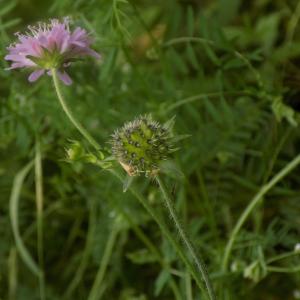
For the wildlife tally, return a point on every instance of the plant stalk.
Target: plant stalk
(94, 293)
(255, 200)
(141, 199)
(69, 113)
(160, 222)
(196, 258)
(39, 209)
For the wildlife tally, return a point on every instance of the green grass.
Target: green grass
(229, 71)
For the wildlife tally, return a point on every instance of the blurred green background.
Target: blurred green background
(229, 71)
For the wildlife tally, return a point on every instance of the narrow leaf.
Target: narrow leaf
(127, 182)
(14, 218)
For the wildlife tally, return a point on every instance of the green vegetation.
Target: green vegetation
(228, 70)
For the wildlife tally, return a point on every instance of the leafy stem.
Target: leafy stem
(164, 230)
(255, 200)
(141, 199)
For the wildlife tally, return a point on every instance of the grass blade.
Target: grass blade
(14, 218)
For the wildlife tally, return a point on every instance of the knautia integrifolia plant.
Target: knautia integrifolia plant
(49, 46)
(141, 145)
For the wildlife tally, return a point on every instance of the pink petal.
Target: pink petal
(20, 59)
(43, 40)
(78, 33)
(35, 75)
(65, 78)
(34, 47)
(14, 57)
(51, 43)
(65, 44)
(93, 53)
(15, 66)
(79, 43)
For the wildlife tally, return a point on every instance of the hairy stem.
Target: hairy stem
(256, 199)
(196, 258)
(165, 232)
(152, 248)
(141, 199)
(69, 113)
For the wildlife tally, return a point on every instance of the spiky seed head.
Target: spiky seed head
(140, 145)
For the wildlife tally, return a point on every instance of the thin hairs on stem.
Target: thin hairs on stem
(140, 198)
(70, 115)
(186, 241)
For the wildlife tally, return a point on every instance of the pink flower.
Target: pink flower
(50, 46)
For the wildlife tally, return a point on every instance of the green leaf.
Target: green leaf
(169, 168)
(161, 281)
(267, 30)
(255, 271)
(178, 62)
(14, 218)
(233, 63)
(282, 111)
(141, 257)
(170, 123)
(190, 21)
(109, 65)
(11, 23)
(7, 8)
(178, 138)
(127, 182)
(191, 55)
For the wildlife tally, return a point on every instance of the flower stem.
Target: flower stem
(197, 259)
(263, 190)
(165, 231)
(69, 114)
(141, 199)
(153, 249)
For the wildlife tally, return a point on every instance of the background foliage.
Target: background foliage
(229, 71)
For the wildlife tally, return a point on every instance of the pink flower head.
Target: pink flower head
(50, 46)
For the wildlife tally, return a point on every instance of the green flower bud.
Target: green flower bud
(255, 271)
(140, 146)
(75, 152)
